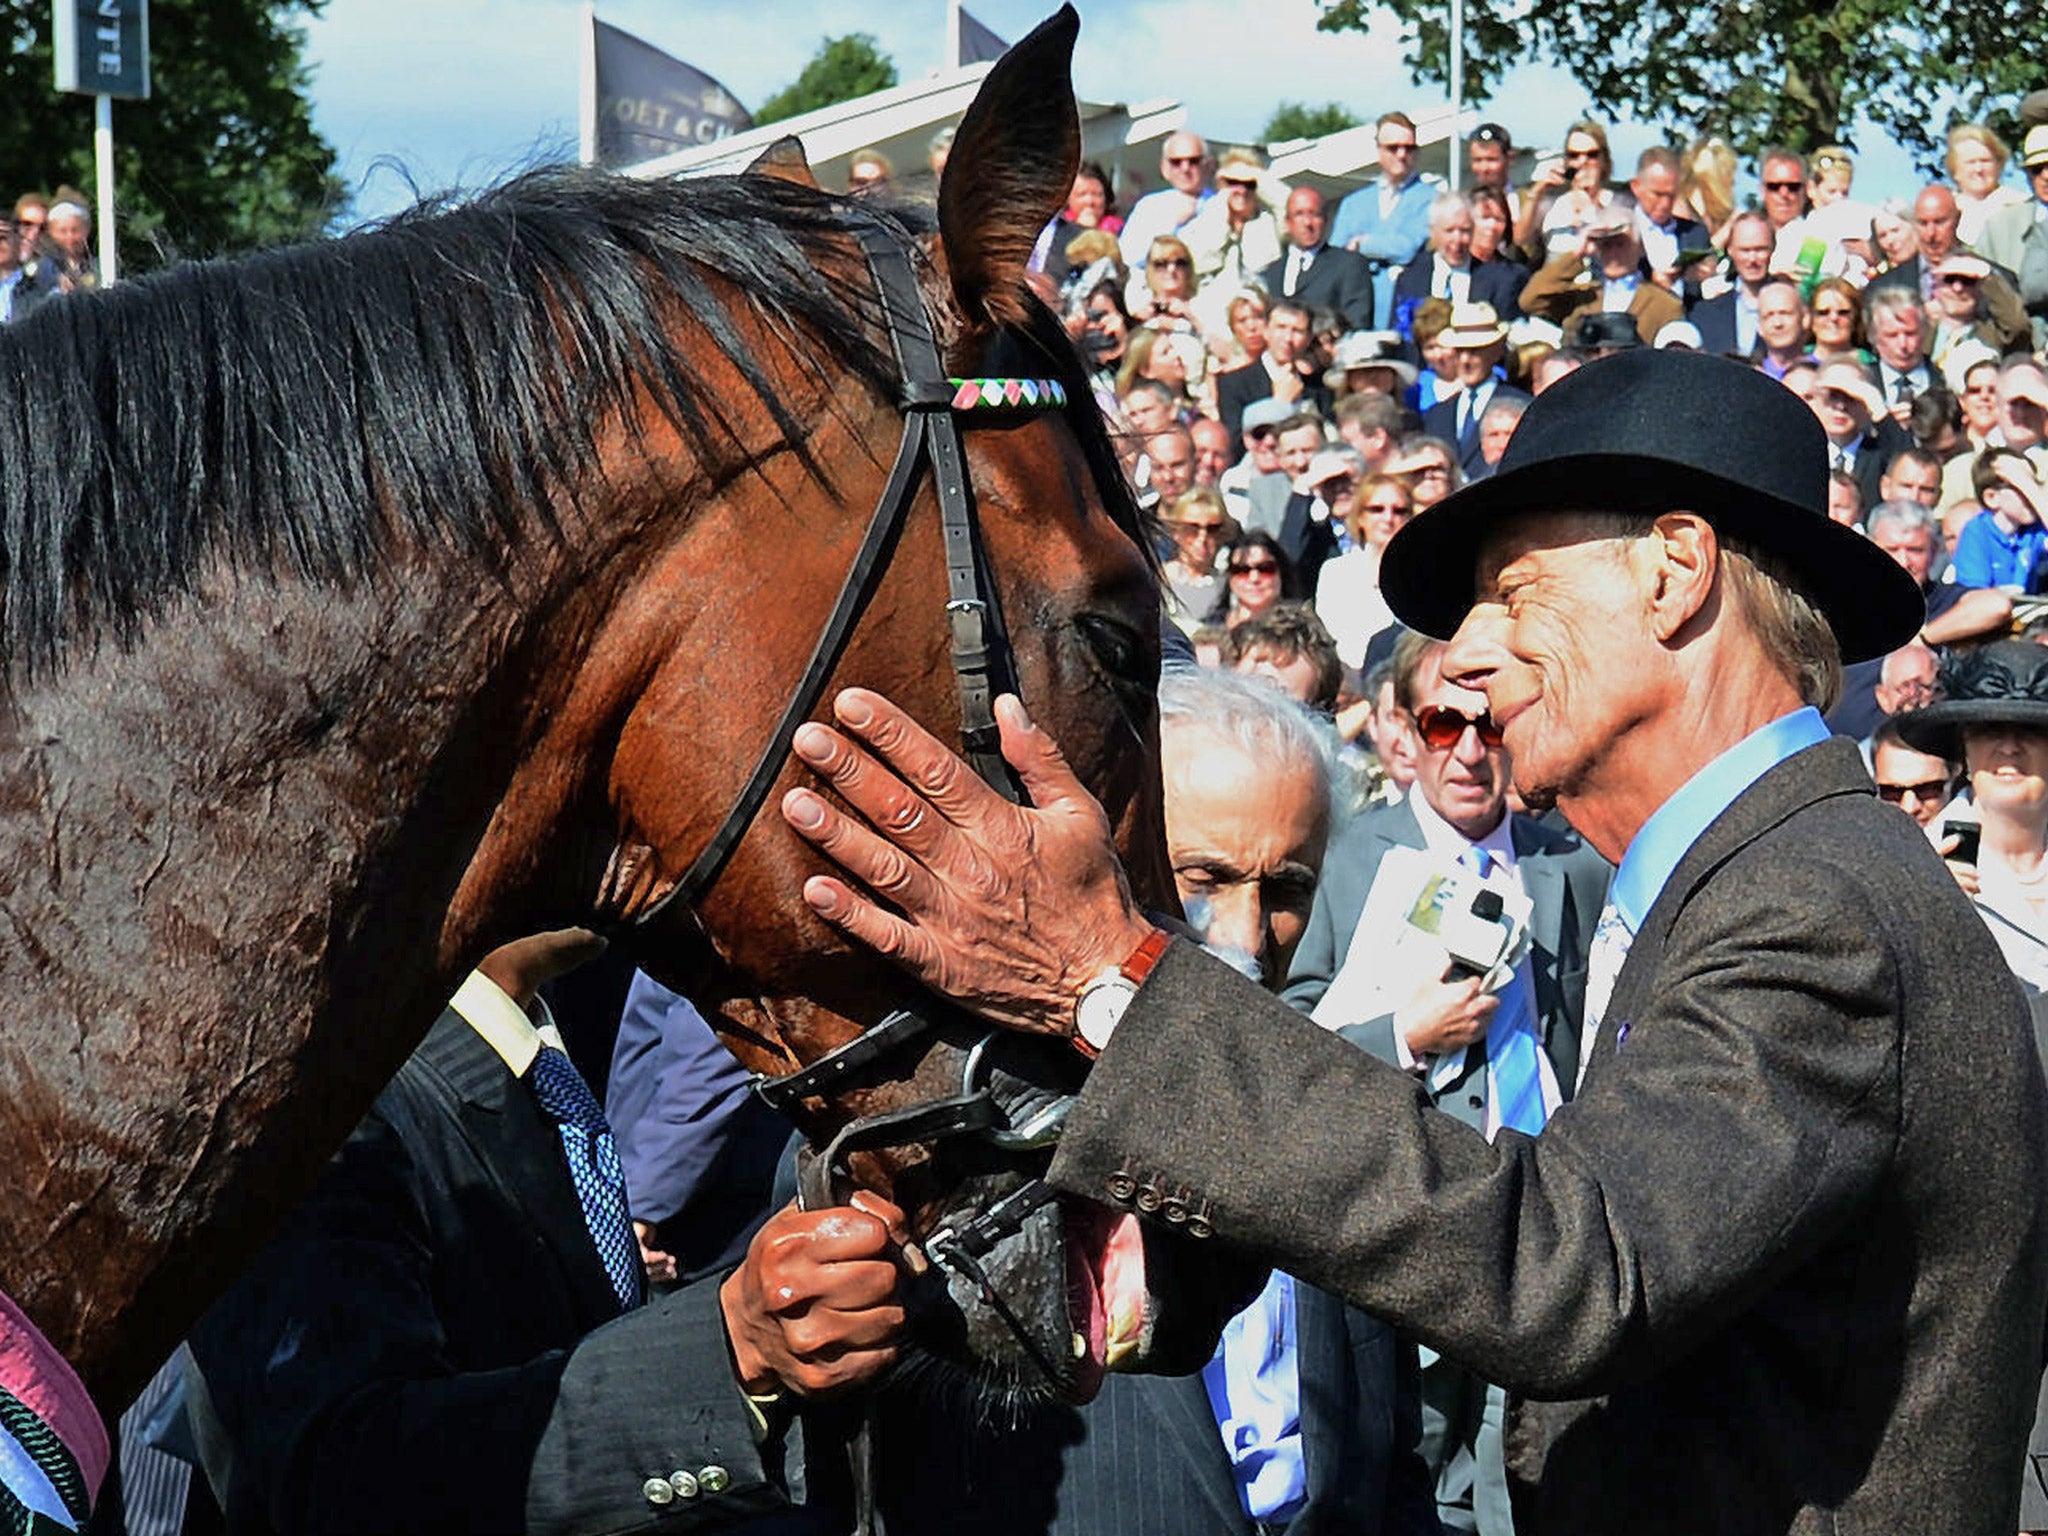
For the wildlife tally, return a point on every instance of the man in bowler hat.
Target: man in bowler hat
(1780, 1265)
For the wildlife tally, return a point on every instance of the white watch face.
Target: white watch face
(1102, 1007)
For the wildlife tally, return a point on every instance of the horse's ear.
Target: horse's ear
(1010, 170)
(785, 161)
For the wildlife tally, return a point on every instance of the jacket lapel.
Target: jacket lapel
(1819, 772)
(521, 1150)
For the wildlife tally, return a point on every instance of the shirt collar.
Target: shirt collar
(1677, 824)
(505, 1026)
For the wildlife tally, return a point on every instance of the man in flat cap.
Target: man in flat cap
(1781, 1263)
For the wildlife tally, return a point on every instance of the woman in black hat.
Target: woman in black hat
(1994, 719)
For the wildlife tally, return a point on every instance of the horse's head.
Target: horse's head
(1038, 1292)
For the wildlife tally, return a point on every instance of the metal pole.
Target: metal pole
(103, 168)
(588, 86)
(1457, 91)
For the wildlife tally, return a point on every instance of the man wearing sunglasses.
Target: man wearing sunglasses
(1451, 1031)
(1184, 167)
(1387, 222)
(1935, 218)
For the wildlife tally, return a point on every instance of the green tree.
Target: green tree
(1299, 120)
(222, 157)
(1757, 72)
(842, 69)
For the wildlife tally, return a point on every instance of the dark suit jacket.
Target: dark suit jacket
(1441, 420)
(1567, 885)
(1782, 1263)
(1146, 1459)
(1337, 279)
(432, 1343)
(1309, 542)
(1497, 282)
(1715, 318)
(1241, 386)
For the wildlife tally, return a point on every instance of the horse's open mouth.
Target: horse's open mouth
(1106, 1297)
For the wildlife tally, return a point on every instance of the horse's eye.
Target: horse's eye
(1116, 648)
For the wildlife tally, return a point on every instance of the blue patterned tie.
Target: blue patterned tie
(1511, 1047)
(594, 1164)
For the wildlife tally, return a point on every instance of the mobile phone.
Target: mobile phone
(1965, 852)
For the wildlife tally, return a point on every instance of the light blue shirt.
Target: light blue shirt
(1254, 1386)
(1677, 824)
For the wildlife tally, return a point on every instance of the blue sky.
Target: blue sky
(440, 93)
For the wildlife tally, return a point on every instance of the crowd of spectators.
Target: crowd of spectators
(45, 250)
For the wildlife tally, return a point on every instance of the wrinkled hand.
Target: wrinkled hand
(1446, 1016)
(813, 1307)
(1012, 910)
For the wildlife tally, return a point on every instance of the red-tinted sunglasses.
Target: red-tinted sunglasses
(1442, 727)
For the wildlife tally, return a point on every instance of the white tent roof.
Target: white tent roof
(900, 123)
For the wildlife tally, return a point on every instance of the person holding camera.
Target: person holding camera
(1495, 1050)
(1994, 720)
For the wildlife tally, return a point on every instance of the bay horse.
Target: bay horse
(370, 603)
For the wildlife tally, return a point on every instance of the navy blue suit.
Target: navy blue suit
(1498, 282)
(1441, 420)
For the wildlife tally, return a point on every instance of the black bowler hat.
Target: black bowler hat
(1649, 431)
(2001, 684)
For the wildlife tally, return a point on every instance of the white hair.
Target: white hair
(1254, 716)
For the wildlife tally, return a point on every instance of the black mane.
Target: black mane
(451, 366)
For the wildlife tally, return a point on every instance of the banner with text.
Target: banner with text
(649, 104)
(102, 47)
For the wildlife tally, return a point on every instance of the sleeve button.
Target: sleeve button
(714, 1479)
(656, 1491)
(1121, 1186)
(684, 1484)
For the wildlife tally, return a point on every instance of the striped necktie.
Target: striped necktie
(594, 1166)
(1512, 1049)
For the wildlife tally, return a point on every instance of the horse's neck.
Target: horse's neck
(253, 821)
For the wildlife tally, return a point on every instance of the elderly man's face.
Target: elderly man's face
(1908, 679)
(1784, 188)
(1453, 234)
(1842, 415)
(1184, 162)
(1147, 411)
(1305, 221)
(1560, 643)
(1173, 463)
(1934, 218)
(1916, 782)
(1475, 364)
(1246, 839)
(1913, 548)
(1618, 254)
(1495, 428)
(1749, 250)
(1464, 781)
(1656, 191)
(1780, 317)
(70, 234)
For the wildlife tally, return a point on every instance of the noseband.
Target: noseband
(934, 408)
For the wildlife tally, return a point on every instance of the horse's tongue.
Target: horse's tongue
(1123, 1289)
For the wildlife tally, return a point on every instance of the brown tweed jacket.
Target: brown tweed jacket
(1780, 1267)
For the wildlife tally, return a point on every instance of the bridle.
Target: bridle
(934, 406)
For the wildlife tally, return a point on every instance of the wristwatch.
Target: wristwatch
(1104, 1000)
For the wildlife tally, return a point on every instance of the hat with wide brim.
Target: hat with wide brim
(1473, 325)
(1359, 350)
(1651, 432)
(2005, 683)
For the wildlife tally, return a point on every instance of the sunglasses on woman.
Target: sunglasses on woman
(1442, 727)
(1255, 568)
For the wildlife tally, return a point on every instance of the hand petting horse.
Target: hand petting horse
(368, 603)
